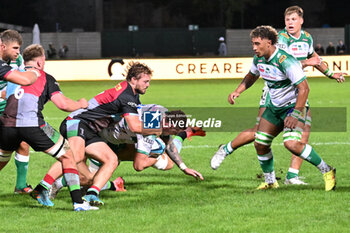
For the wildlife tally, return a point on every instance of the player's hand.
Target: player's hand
(83, 103)
(313, 61)
(290, 122)
(194, 173)
(232, 97)
(339, 77)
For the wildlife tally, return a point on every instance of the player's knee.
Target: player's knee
(162, 162)
(138, 166)
(170, 165)
(59, 150)
(5, 156)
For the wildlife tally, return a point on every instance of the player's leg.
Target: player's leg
(266, 132)
(245, 137)
(50, 141)
(143, 161)
(22, 162)
(306, 152)
(126, 152)
(292, 176)
(9, 142)
(101, 152)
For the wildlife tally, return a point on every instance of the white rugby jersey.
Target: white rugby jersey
(282, 73)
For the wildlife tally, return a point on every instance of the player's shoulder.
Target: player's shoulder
(283, 57)
(283, 35)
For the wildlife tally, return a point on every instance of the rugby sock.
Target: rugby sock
(228, 148)
(61, 182)
(310, 155)
(93, 190)
(71, 176)
(21, 162)
(47, 181)
(178, 143)
(107, 186)
(292, 172)
(266, 164)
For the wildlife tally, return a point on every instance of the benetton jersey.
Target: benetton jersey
(301, 48)
(5, 69)
(24, 106)
(18, 64)
(119, 100)
(281, 72)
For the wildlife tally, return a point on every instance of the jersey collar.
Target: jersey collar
(274, 54)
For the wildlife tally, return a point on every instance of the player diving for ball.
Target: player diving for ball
(145, 151)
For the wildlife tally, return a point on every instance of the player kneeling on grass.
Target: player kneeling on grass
(23, 121)
(148, 151)
(288, 90)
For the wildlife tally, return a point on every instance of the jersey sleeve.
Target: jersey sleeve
(254, 69)
(5, 70)
(129, 105)
(53, 87)
(293, 70)
(282, 41)
(311, 46)
(144, 143)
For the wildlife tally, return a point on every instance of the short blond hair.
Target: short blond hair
(11, 36)
(33, 51)
(294, 9)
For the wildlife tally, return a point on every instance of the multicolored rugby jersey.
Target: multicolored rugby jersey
(119, 100)
(301, 48)
(24, 106)
(282, 73)
(119, 133)
(18, 64)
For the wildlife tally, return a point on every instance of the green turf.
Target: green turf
(226, 201)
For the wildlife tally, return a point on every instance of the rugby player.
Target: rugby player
(81, 127)
(22, 120)
(147, 151)
(286, 111)
(299, 43)
(22, 153)
(11, 42)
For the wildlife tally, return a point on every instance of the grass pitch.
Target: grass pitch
(226, 201)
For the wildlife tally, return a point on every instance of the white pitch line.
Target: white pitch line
(278, 144)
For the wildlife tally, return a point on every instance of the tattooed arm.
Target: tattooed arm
(175, 156)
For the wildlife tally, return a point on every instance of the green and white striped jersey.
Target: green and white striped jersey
(301, 48)
(282, 73)
(17, 65)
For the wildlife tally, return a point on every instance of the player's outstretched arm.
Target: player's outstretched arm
(68, 105)
(247, 82)
(316, 61)
(23, 78)
(175, 156)
(136, 126)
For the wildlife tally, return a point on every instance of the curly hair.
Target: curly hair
(265, 32)
(135, 69)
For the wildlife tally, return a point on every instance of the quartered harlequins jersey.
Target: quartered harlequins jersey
(281, 72)
(301, 48)
(119, 100)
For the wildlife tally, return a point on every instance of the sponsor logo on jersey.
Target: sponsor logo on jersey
(282, 58)
(132, 104)
(118, 87)
(261, 68)
(151, 119)
(285, 35)
(305, 40)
